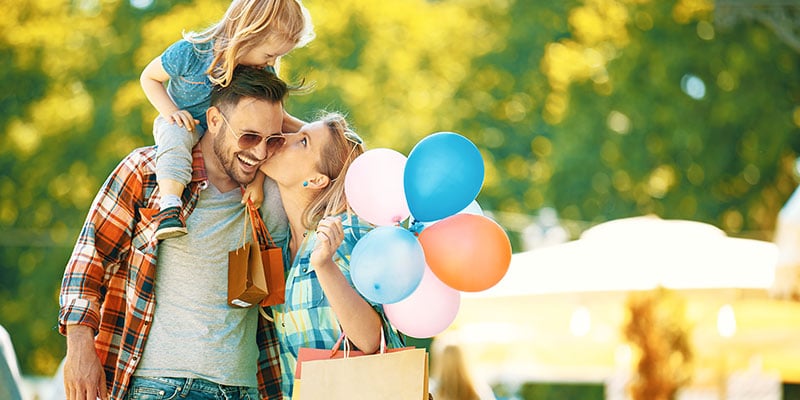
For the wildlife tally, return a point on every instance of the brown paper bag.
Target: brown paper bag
(271, 259)
(400, 374)
(247, 284)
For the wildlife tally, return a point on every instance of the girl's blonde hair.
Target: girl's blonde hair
(453, 378)
(248, 23)
(334, 161)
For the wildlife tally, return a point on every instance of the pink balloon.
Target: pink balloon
(374, 187)
(428, 311)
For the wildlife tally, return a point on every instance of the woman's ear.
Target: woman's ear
(319, 181)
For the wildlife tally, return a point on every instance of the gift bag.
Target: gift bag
(271, 260)
(394, 374)
(247, 284)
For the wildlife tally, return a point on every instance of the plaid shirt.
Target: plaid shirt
(307, 319)
(108, 283)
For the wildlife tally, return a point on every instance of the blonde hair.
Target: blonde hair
(334, 161)
(453, 378)
(246, 24)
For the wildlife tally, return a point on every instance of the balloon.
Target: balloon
(472, 208)
(443, 174)
(374, 189)
(467, 252)
(428, 311)
(387, 264)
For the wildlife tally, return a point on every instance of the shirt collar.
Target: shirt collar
(199, 174)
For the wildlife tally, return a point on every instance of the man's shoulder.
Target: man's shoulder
(142, 154)
(142, 159)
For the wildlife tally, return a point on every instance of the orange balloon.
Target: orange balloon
(467, 252)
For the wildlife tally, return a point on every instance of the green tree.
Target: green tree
(576, 105)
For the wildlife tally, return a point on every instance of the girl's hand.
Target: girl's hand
(253, 194)
(183, 119)
(329, 236)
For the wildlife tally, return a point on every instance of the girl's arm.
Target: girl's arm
(291, 124)
(358, 319)
(152, 80)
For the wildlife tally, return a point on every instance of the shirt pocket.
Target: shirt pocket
(306, 292)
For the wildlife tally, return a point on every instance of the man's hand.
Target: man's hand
(84, 378)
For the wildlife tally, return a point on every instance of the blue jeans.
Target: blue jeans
(151, 388)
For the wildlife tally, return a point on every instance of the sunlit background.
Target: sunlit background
(586, 112)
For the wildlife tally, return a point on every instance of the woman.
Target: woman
(452, 380)
(321, 300)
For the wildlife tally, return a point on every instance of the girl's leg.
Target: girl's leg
(173, 173)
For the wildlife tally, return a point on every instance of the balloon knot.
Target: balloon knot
(416, 227)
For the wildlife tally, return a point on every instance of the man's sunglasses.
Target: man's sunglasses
(249, 140)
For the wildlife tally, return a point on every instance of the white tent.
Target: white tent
(558, 312)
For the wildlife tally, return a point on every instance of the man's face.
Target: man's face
(250, 116)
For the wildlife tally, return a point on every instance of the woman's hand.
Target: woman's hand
(329, 236)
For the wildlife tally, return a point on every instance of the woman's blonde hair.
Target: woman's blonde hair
(453, 381)
(246, 24)
(334, 161)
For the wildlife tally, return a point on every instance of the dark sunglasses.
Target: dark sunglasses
(249, 140)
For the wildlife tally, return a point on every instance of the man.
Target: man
(130, 329)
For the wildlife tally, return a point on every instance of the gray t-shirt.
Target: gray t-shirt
(195, 333)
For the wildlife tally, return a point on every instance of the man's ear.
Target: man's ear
(319, 181)
(214, 119)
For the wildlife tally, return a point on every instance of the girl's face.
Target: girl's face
(266, 53)
(297, 160)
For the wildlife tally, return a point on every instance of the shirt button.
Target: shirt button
(305, 270)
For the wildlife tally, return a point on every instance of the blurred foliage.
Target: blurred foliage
(581, 105)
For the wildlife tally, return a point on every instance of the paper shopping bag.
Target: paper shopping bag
(271, 259)
(247, 284)
(399, 374)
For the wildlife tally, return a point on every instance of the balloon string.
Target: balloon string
(359, 227)
(414, 227)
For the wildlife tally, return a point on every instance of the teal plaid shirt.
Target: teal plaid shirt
(306, 319)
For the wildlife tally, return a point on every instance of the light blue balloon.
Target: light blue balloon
(443, 174)
(387, 264)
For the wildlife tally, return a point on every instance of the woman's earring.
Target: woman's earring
(305, 183)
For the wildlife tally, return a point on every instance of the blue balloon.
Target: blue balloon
(443, 175)
(387, 264)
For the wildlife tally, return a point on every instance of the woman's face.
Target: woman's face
(296, 161)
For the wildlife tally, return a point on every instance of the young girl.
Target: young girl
(252, 32)
(321, 300)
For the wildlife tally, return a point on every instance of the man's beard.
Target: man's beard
(228, 161)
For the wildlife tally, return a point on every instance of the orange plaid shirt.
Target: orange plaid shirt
(108, 283)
